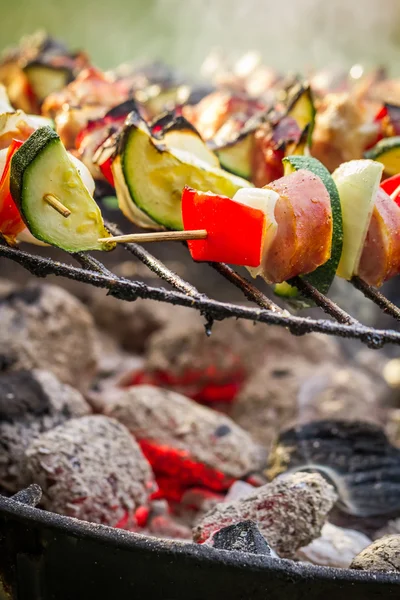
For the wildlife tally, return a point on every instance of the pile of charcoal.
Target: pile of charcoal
(251, 440)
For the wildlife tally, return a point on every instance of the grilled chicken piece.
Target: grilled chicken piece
(210, 114)
(87, 98)
(343, 130)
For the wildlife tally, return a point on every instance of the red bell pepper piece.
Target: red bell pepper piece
(392, 187)
(235, 232)
(105, 168)
(11, 223)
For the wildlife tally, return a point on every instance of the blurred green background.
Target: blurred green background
(294, 34)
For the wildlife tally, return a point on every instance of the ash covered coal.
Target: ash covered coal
(6, 287)
(356, 456)
(133, 323)
(44, 327)
(90, 468)
(288, 390)
(336, 547)
(184, 441)
(213, 370)
(31, 402)
(242, 537)
(290, 512)
(382, 555)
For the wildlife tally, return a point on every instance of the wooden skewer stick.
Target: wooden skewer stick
(158, 236)
(57, 205)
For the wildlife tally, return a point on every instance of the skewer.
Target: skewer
(57, 205)
(158, 236)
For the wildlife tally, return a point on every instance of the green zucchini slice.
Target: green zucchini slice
(41, 166)
(323, 276)
(45, 78)
(235, 156)
(302, 109)
(150, 177)
(177, 133)
(387, 152)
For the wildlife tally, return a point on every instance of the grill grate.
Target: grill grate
(93, 272)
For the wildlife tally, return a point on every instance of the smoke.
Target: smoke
(290, 35)
(294, 34)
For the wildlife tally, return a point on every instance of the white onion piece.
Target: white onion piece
(265, 200)
(26, 236)
(5, 106)
(3, 160)
(84, 173)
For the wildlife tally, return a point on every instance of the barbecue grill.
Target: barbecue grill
(45, 555)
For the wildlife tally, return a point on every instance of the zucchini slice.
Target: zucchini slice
(40, 167)
(236, 156)
(178, 134)
(357, 182)
(302, 109)
(45, 79)
(150, 177)
(323, 276)
(387, 152)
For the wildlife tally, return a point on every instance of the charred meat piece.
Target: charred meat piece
(44, 327)
(90, 468)
(289, 512)
(355, 456)
(382, 555)
(186, 444)
(31, 402)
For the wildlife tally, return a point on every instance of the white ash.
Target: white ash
(336, 547)
(132, 323)
(290, 512)
(168, 418)
(6, 287)
(31, 402)
(43, 326)
(288, 390)
(390, 528)
(382, 555)
(90, 468)
(165, 526)
(114, 367)
(233, 344)
(238, 490)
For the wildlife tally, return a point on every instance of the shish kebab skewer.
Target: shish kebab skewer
(309, 237)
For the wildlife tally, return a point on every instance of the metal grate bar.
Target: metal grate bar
(91, 264)
(157, 266)
(130, 290)
(376, 297)
(248, 289)
(329, 307)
